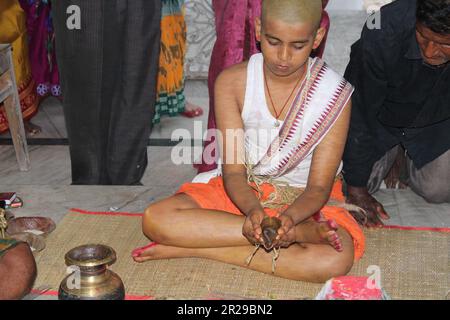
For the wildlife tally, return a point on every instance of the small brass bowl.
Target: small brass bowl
(40, 225)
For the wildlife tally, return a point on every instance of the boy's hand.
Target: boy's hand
(286, 233)
(252, 226)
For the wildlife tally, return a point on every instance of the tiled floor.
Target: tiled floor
(46, 188)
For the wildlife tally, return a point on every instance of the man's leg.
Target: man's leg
(133, 102)
(432, 182)
(80, 60)
(381, 169)
(17, 272)
(182, 229)
(108, 77)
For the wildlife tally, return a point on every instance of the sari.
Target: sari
(170, 84)
(42, 44)
(7, 244)
(13, 31)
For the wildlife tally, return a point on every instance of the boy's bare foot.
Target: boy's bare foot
(156, 251)
(320, 230)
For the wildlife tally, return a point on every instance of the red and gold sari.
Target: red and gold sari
(14, 31)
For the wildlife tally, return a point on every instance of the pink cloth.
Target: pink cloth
(325, 23)
(42, 43)
(236, 42)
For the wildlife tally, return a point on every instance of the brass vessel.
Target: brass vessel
(91, 280)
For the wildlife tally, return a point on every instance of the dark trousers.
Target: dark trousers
(108, 73)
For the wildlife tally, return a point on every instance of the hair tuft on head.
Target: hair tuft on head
(435, 15)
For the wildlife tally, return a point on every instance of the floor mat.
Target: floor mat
(412, 264)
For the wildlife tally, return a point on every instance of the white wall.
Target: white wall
(345, 5)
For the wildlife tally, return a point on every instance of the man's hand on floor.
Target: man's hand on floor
(374, 210)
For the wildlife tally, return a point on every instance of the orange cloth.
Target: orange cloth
(212, 195)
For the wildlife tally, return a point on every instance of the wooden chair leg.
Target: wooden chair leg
(15, 121)
(14, 115)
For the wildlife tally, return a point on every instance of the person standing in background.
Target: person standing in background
(171, 100)
(42, 46)
(14, 31)
(41, 38)
(108, 69)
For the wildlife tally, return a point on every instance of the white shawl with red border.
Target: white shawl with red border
(315, 109)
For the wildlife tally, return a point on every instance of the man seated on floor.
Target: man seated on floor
(290, 177)
(400, 127)
(17, 269)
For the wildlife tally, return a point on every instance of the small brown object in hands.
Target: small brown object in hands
(270, 226)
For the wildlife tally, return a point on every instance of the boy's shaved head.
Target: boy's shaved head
(293, 11)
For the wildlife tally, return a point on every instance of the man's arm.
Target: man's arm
(366, 71)
(229, 86)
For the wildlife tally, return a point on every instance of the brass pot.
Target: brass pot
(92, 279)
